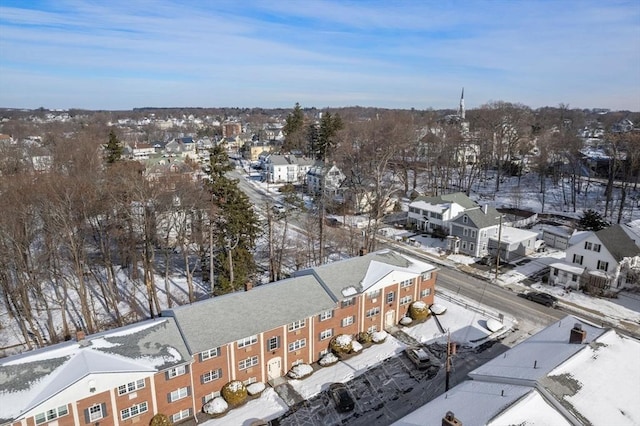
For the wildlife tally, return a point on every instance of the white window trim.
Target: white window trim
(298, 344)
(177, 371)
(179, 394)
(247, 341)
(297, 325)
(95, 415)
(140, 408)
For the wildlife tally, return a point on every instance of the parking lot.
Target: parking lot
(390, 390)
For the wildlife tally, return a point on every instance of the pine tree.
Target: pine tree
(236, 227)
(591, 220)
(113, 149)
(329, 127)
(294, 130)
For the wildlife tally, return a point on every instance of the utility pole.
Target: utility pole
(498, 250)
(451, 350)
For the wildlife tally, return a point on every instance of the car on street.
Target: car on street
(542, 298)
(341, 397)
(420, 357)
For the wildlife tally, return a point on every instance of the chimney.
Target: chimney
(449, 419)
(80, 335)
(485, 208)
(577, 334)
(362, 251)
(248, 286)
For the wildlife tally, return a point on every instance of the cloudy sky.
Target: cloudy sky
(397, 54)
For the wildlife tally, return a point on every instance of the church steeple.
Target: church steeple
(461, 111)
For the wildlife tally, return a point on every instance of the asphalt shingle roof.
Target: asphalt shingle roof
(618, 242)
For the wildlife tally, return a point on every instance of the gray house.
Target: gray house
(470, 231)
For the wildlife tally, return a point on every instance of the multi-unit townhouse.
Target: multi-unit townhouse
(176, 363)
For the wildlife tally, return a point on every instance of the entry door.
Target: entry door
(390, 318)
(274, 368)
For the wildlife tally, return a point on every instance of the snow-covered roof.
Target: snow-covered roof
(594, 382)
(535, 357)
(32, 378)
(567, 267)
(515, 235)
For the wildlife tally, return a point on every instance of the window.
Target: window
(374, 294)
(348, 302)
(212, 375)
(181, 415)
(373, 312)
(473, 233)
(406, 283)
(246, 363)
(131, 387)
(298, 344)
(247, 341)
(587, 245)
(555, 272)
(175, 372)
(273, 343)
(577, 259)
(326, 315)
(179, 394)
(326, 334)
(603, 266)
(426, 276)
(426, 292)
(323, 353)
(465, 219)
(372, 329)
(574, 277)
(209, 397)
(51, 414)
(465, 232)
(211, 353)
(391, 297)
(296, 325)
(405, 300)
(347, 321)
(249, 381)
(95, 412)
(471, 246)
(596, 247)
(133, 411)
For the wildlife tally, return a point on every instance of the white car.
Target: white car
(420, 357)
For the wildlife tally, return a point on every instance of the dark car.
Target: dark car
(341, 397)
(542, 298)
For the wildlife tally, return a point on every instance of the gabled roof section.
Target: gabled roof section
(360, 273)
(479, 218)
(225, 319)
(618, 242)
(457, 197)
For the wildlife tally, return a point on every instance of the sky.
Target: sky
(390, 54)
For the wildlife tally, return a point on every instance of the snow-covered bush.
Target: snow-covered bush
(419, 310)
(216, 406)
(341, 344)
(255, 388)
(364, 337)
(328, 359)
(234, 392)
(356, 347)
(379, 336)
(300, 371)
(437, 309)
(405, 320)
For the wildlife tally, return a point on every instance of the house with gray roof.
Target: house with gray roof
(433, 214)
(609, 260)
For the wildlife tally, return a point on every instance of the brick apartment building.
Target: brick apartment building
(176, 363)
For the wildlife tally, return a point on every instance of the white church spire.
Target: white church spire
(461, 111)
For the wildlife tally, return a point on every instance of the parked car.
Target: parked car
(542, 298)
(420, 357)
(341, 397)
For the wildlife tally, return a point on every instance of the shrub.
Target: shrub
(419, 311)
(328, 359)
(300, 371)
(364, 337)
(160, 420)
(234, 392)
(379, 336)
(341, 344)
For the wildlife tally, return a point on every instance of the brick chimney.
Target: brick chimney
(449, 419)
(362, 251)
(577, 334)
(248, 286)
(80, 335)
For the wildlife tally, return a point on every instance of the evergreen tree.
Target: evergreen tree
(591, 220)
(294, 130)
(236, 227)
(329, 127)
(113, 148)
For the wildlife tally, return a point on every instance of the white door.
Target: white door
(274, 368)
(390, 319)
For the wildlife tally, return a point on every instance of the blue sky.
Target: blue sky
(395, 54)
